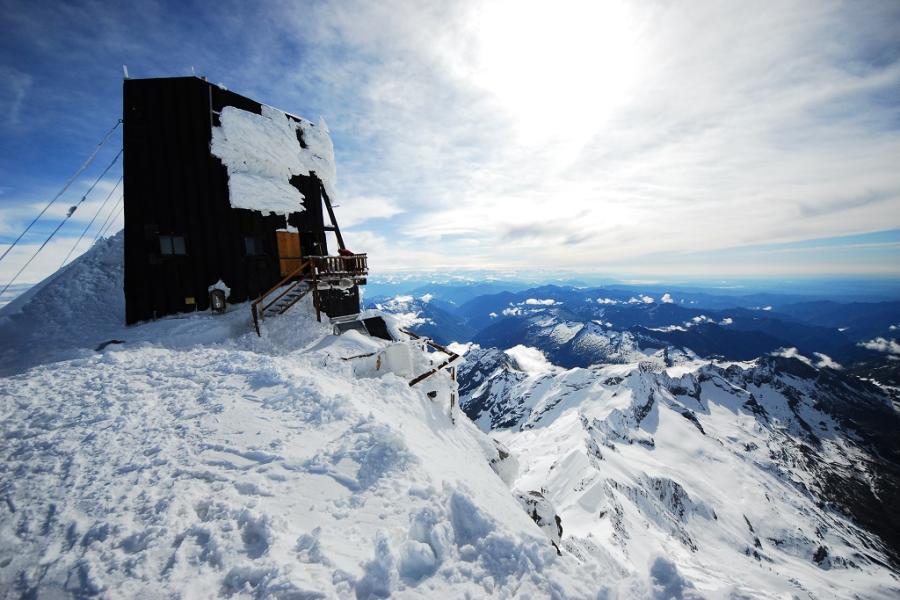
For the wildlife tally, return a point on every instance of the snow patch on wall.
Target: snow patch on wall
(262, 152)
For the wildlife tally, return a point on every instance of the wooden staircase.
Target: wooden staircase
(293, 288)
(347, 269)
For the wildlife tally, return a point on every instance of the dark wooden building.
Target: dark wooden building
(183, 233)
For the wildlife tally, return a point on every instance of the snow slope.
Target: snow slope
(752, 477)
(82, 306)
(196, 460)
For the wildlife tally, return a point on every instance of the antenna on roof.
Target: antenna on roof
(125, 71)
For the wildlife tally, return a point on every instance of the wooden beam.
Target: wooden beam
(337, 230)
(433, 371)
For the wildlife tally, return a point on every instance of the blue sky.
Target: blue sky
(629, 138)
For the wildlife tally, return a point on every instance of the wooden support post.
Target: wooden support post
(316, 299)
(453, 395)
(255, 319)
(337, 230)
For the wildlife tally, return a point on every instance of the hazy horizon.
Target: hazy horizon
(629, 139)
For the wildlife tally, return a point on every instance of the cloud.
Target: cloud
(666, 298)
(825, 361)
(530, 360)
(792, 353)
(354, 210)
(881, 344)
(653, 130)
(541, 302)
(735, 132)
(14, 87)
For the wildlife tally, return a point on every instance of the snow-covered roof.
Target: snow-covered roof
(262, 152)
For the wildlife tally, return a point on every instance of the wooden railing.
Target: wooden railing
(312, 269)
(447, 364)
(353, 265)
(453, 356)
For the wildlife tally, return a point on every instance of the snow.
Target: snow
(405, 310)
(663, 477)
(198, 460)
(563, 332)
(220, 285)
(194, 459)
(460, 348)
(262, 152)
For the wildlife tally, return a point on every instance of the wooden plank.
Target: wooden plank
(424, 376)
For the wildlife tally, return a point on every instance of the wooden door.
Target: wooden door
(289, 255)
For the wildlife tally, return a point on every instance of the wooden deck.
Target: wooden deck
(354, 266)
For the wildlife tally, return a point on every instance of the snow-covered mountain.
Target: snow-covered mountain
(768, 478)
(425, 315)
(187, 457)
(192, 459)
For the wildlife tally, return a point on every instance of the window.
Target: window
(253, 246)
(172, 245)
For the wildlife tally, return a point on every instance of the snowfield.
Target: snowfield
(196, 460)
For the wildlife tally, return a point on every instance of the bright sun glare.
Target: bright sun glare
(572, 62)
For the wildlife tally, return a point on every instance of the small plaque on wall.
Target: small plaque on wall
(190, 300)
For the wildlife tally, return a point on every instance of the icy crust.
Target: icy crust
(733, 472)
(262, 152)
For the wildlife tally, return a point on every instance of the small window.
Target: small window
(253, 246)
(172, 245)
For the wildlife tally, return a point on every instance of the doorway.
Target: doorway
(289, 254)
